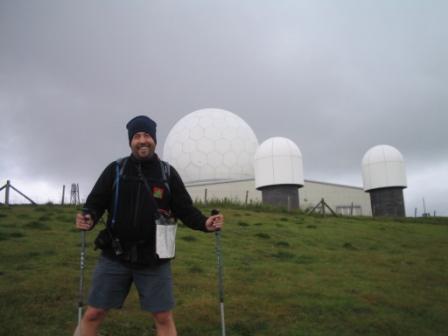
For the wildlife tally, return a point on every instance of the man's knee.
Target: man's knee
(94, 314)
(163, 318)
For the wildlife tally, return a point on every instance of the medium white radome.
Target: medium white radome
(211, 144)
(383, 167)
(278, 161)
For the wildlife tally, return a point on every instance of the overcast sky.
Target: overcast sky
(336, 77)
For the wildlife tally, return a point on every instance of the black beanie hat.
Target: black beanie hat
(141, 124)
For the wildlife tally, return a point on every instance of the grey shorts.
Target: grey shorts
(112, 280)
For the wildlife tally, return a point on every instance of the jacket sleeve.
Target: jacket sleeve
(182, 204)
(101, 195)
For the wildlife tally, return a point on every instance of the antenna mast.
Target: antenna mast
(74, 194)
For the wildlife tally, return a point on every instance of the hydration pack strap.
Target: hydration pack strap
(117, 187)
(165, 168)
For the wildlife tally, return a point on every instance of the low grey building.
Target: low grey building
(343, 199)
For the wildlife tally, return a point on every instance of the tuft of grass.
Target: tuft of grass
(44, 218)
(244, 224)
(33, 254)
(263, 235)
(35, 225)
(282, 244)
(65, 218)
(349, 246)
(9, 225)
(282, 255)
(17, 234)
(189, 238)
(10, 235)
(248, 327)
(41, 208)
(305, 259)
(195, 269)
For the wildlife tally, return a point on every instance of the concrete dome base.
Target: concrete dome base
(281, 195)
(387, 202)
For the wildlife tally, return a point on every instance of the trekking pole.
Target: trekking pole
(81, 275)
(220, 277)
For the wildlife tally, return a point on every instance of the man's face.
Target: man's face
(142, 145)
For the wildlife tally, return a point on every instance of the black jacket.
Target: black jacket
(135, 211)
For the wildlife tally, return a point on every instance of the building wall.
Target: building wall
(233, 190)
(338, 197)
(341, 198)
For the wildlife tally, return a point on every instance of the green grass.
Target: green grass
(284, 275)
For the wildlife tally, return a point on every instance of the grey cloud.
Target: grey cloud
(335, 77)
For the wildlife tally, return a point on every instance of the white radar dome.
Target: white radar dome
(211, 144)
(278, 161)
(383, 167)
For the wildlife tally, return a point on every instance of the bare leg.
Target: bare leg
(165, 324)
(90, 322)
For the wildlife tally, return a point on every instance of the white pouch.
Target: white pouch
(165, 237)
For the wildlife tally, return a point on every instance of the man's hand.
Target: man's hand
(84, 221)
(214, 223)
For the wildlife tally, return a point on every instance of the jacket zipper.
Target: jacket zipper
(137, 203)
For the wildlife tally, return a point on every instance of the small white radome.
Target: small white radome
(383, 167)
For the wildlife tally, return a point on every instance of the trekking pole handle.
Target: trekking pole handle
(215, 212)
(86, 212)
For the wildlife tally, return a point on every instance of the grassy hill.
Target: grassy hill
(285, 274)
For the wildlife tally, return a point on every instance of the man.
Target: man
(135, 191)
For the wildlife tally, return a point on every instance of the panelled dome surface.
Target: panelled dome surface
(211, 144)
